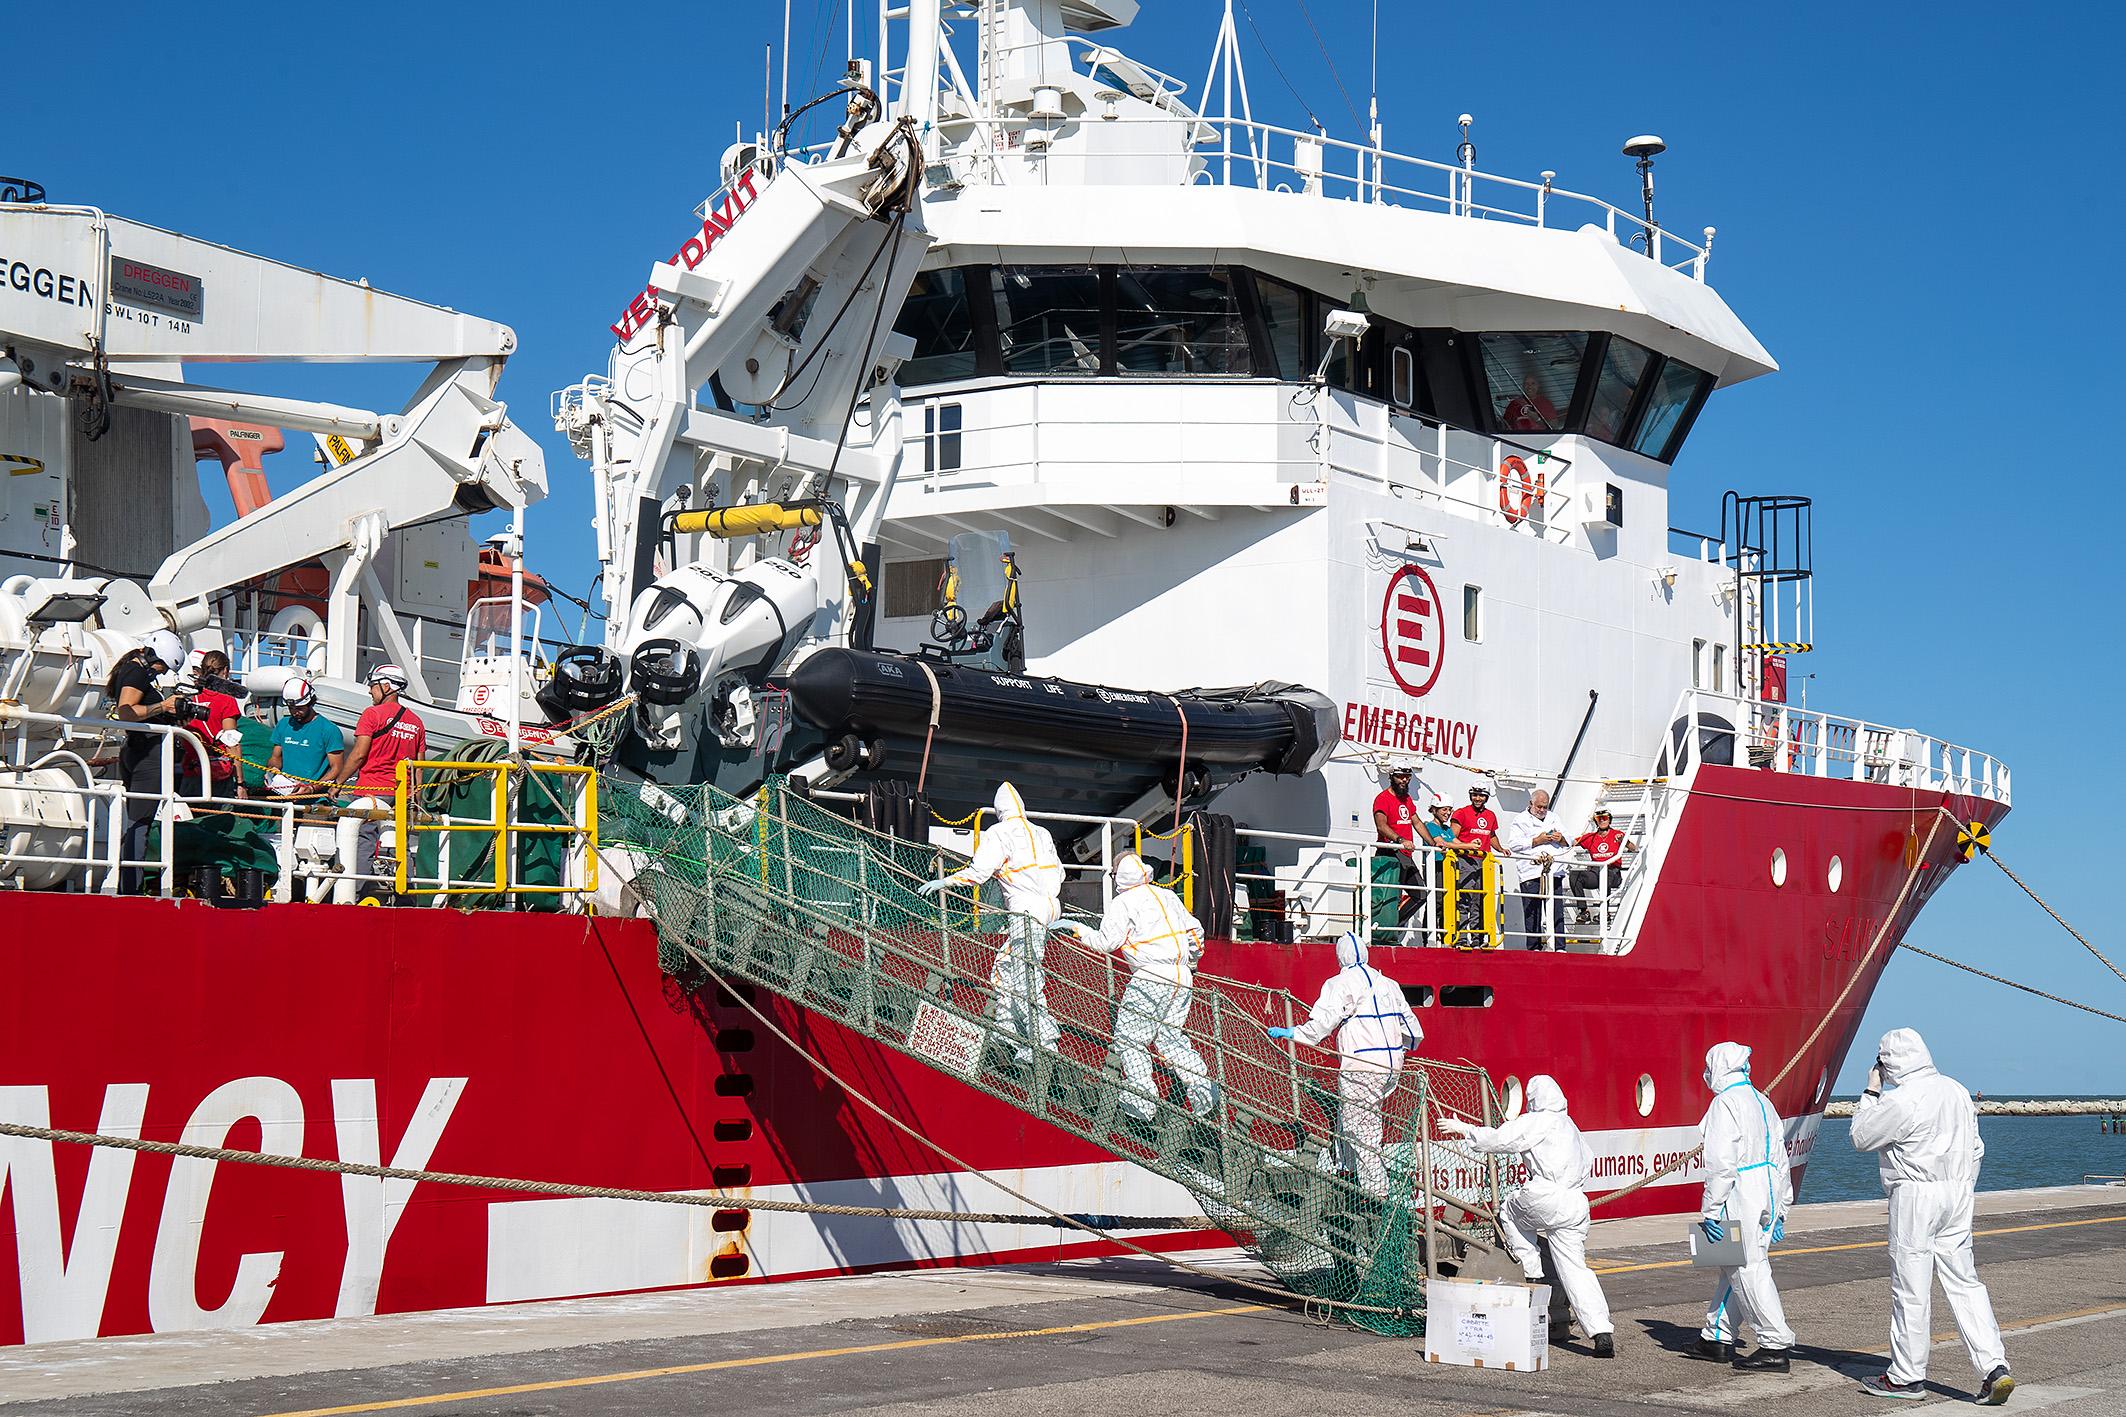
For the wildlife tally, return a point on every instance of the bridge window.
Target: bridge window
(1677, 393)
(1049, 319)
(1179, 322)
(1623, 368)
(1284, 321)
(1531, 378)
(936, 316)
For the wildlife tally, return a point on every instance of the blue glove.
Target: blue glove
(1711, 1228)
(933, 887)
(1280, 1033)
(1778, 1229)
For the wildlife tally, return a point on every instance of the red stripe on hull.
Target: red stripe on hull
(578, 1067)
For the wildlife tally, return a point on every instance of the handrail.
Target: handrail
(1365, 181)
(503, 827)
(1783, 738)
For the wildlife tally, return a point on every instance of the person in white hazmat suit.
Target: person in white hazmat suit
(1748, 1190)
(1154, 932)
(1021, 857)
(1552, 1203)
(1925, 1130)
(1374, 1028)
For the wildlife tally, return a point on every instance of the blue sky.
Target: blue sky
(1913, 205)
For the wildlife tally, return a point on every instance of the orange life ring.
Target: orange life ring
(1518, 504)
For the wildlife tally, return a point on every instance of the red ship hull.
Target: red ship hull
(550, 1048)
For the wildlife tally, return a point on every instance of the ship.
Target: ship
(1393, 439)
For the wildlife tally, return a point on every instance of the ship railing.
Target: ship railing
(1448, 899)
(1184, 150)
(72, 834)
(1237, 439)
(524, 802)
(1730, 730)
(1090, 845)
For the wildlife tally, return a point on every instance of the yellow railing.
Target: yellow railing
(1184, 838)
(1487, 935)
(501, 827)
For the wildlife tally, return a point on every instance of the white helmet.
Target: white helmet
(165, 646)
(297, 693)
(389, 674)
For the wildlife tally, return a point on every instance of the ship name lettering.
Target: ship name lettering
(65, 1288)
(642, 310)
(1382, 727)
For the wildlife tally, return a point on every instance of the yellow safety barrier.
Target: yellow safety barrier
(1184, 856)
(501, 827)
(1488, 934)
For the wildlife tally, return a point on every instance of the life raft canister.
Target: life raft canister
(1520, 492)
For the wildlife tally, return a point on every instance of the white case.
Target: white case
(1724, 1253)
(1481, 1325)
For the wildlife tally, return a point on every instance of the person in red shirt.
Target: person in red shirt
(388, 733)
(1605, 848)
(1395, 828)
(1476, 830)
(220, 711)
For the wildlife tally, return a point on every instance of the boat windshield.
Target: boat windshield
(978, 561)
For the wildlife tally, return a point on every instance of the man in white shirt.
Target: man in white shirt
(1538, 848)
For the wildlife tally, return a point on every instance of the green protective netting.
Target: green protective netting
(780, 892)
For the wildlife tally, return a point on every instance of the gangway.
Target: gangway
(778, 892)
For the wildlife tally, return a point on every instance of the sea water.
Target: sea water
(2021, 1152)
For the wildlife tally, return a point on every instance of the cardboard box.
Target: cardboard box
(1479, 1325)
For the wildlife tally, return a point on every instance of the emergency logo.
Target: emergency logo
(1413, 631)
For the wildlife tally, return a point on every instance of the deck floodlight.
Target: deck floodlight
(64, 603)
(1646, 147)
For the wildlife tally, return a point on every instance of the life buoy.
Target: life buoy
(1518, 502)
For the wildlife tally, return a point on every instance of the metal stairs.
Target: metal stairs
(781, 893)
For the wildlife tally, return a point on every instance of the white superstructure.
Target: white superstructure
(1126, 353)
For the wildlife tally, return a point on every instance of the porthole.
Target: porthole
(1837, 874)
(1512, 1100)
(1778, 865)
(1643, 1095)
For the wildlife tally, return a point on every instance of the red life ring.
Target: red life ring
(1529, 497)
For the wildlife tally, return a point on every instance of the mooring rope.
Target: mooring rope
(711, 1199)
(1985, 849)
(1889, 918)
(2026, 988)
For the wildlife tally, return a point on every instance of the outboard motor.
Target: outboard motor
(738, 627)
(585, 679)
(664, 674)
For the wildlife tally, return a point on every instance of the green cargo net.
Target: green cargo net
(779, 892)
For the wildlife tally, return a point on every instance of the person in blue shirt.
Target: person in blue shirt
(306, 745)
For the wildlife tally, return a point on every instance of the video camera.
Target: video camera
(189, 686)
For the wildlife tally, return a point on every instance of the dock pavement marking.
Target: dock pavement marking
(1866, 1244)
(763, 1360)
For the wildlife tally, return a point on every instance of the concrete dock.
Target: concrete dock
(1132, 1336)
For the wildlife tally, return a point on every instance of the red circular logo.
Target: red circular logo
(481, 693)
(1413, 631)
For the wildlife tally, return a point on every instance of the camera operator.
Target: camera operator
(135, 699)
(219, 709)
